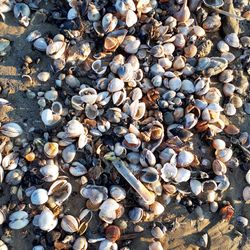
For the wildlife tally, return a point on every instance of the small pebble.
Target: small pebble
(247, 108)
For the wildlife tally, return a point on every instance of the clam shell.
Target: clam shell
(80, 244)
(43, 76)
(183, 175)
(18, 220)
(248, 177)
(74, 129)
(246, 193)
(50, 172)
(51, 149)
(46, 220)
(3, 245)
(224, 155)
(168, 172)
(33, 35)
(109, 22)
(185, 158)
(218, 144)
(157, 208)
(39, 196)
(77, 169)
(232, 40)
(72, 81)
(69, 224)
(96, 194)
(14, 177)
(149, 175)
(131, 18)
(10, 161)
(135, 214)
(156, 245)
(48, 118)
(118, 193)
(115, 85)
(69, 153)
(137, 109)
(11, 129)
(106, 244)
(157, 232)
(40, 44)
(196, 187)
(72, 14)
(56, 49)
(108, 210)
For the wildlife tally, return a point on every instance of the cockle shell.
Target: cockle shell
(72, 81)
(51, 149)
(11, 129)
(137, 110)
(106, 244)
(131, 18)
(109, 22)
(168, 172)
(46, 220)
(50, 172)
(118, 193)
(69, 153)
(56, 50)
(183, 175)
(196, 186)
(40, 44)
(74, 129)
(108, 210)
(69, 224)
(43, 76)
(48, 118)
(185, 158)
(39, 196)
(232, 40)
(60, 190)
(96, 194)
(115, 85)
(80, 244)
(18, 220)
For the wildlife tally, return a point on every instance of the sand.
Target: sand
(222, 234)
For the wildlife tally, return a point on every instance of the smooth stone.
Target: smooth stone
(247, 108)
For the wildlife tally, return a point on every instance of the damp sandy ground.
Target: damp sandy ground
(222, 235)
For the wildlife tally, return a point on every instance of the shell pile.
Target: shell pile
(135, 88)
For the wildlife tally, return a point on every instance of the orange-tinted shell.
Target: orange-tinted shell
(30, 156)
(113, 233)
(227, 212)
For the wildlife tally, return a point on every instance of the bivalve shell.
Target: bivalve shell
(196, 186)
(11, 129)
(69, 224)
(39, 196)
(185, 158)
(18, 220)
(183, 175)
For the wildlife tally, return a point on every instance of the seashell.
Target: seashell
(228, 89)
(168, 155)
(196, 187)
(156, 245)
(224, 155)
(203, 241)
(1, 175)
(179, 63)
(18, 220)
(157, 51)
(14, 177)
(98, 67)
(212, 23)
(223, 182)
(183, 14)
(218, 144)
(233, 40)
(165, 62)
(214, 4)
(117, 61)
(133, 157)
(114, 39)
(157, 69)
(56, 49)
(69, 224)
(60, 191)
(144, 193)
(118, 193)
(187, 86)
(115, 85)
(57, 108)
(126, 72)
(40, 44)
(96, 194)
(80, 244)
(243, 221)
(3, 246)
(74, 129)
(168, 172)
(214, 206)
(213, 95)
(108, 210)
(202, 86)
(43, 76)
(248, 177)
(131, 141)
(222, 46)
(68, 153)
(50, 172)
(11, 129)
(157, 232)
(119, 97)
(72, 81)
(149, 175)
(93, 13)
(109, 22)
(169, 48)
(190, 120)
(106, 244)
(38, 247)
(185, 158)
(229, 109)
(147, 158)
(131, 18)
(51, 149)
(112, 233)
(33, 36)
(216, 66)
(190, 51)
(122, 6)
(21, 10)
(135, 214)
(219, 167)
(103, 98)
(46, 220)
(175, 83)
(48, 118)
(183, 175)
(157, 208)
(39, 196)
(246, 193)
(226, 76)
(131, 46)
(77, 169)
(72, 14)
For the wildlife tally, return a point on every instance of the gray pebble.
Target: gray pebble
(247, 108)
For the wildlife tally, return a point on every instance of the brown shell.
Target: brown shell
(231, 130)
(112, 233)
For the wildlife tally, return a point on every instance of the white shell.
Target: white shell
(49, 118)
(51, 95)
(43, 76)
(50, 172)
(69, 153)
(3, 246)
(40, 44)
(11, 129)
(69, 224)
(131, 18)
(155, 246)
(185, 158)
(77, 169)
(169, 171)
(218, 144)
(80, 244)
(46, 220)
(108, 245)
(39, 196)
(248, 177)
(196, 187)
(18, 220)
(74, 129)
(72, 81)
(183, 175)
(56, 49)
(232, 40)
(33, 35)
(222, 47)
(72, 14)
(118, 193)
(108, 210)
(115, 85)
